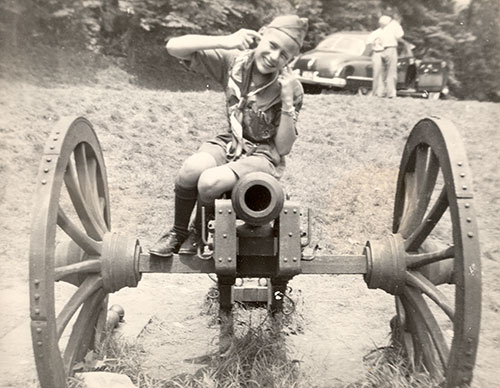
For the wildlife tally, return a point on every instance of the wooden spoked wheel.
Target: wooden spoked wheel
(70, 220)
(439, 302)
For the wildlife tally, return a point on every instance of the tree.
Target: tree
(351, 14)
(477, 56)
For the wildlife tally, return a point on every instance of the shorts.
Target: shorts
(244, 165)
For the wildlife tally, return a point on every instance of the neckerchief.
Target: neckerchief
(236, 147)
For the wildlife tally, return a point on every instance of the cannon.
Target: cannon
(430, 262)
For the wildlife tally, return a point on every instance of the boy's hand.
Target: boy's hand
(242, 39)
(286, 80)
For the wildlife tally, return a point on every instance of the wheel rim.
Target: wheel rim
(71, 211)
(438, 310)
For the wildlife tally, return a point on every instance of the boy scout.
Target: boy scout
(263, 99)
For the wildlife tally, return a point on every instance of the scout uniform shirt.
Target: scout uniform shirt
(255, 108)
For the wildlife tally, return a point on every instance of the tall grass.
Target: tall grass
(253, 353)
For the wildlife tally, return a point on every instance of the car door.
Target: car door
(405, 60)
(432, 75)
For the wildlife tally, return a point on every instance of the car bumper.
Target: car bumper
(322, 81)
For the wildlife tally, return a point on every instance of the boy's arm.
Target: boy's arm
(286, 133)
(183, 46)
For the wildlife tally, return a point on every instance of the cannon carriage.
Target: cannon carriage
(430, 262)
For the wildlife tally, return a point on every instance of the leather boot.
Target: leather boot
(168, 244)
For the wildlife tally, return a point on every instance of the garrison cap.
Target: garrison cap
(292, 25)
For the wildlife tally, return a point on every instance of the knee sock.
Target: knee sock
(185, 199)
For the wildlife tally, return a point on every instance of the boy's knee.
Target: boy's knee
(209, 186)
(192, 168)
(214, 182)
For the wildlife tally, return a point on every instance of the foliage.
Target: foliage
(352, 15)
(468, 40)
(477, 54)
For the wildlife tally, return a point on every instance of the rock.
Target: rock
(105, 379)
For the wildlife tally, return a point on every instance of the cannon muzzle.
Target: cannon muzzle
(258, 198)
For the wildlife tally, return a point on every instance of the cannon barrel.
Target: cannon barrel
(258, 198)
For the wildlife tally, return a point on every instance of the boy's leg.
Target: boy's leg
(216, 181)
(185, 200)
(194, 240)
(211, 185)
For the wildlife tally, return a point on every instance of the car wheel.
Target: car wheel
(364, 91)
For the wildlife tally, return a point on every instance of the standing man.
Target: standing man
(385, 56)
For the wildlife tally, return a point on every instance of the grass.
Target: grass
(253, 353)
(343, 165)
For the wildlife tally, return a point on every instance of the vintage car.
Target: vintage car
(342, 61)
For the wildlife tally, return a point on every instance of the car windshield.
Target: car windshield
(344, 44)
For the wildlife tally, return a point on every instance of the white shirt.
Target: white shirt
(375, 39)
(386, 36)
(391, 33)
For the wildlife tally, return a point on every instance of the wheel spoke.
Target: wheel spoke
(422, 313)
(88, 221)
(419, 281)
(421, 342)
(99, 202)
(89, 245)
(89, 266)
(86, 289)
(81, 334)
(425, 228)
(419, 187)
(86, 169)
(426, 181)
(410, 204)
(420, 259)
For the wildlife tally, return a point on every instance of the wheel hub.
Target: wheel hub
(386, 259)
(120, 262)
